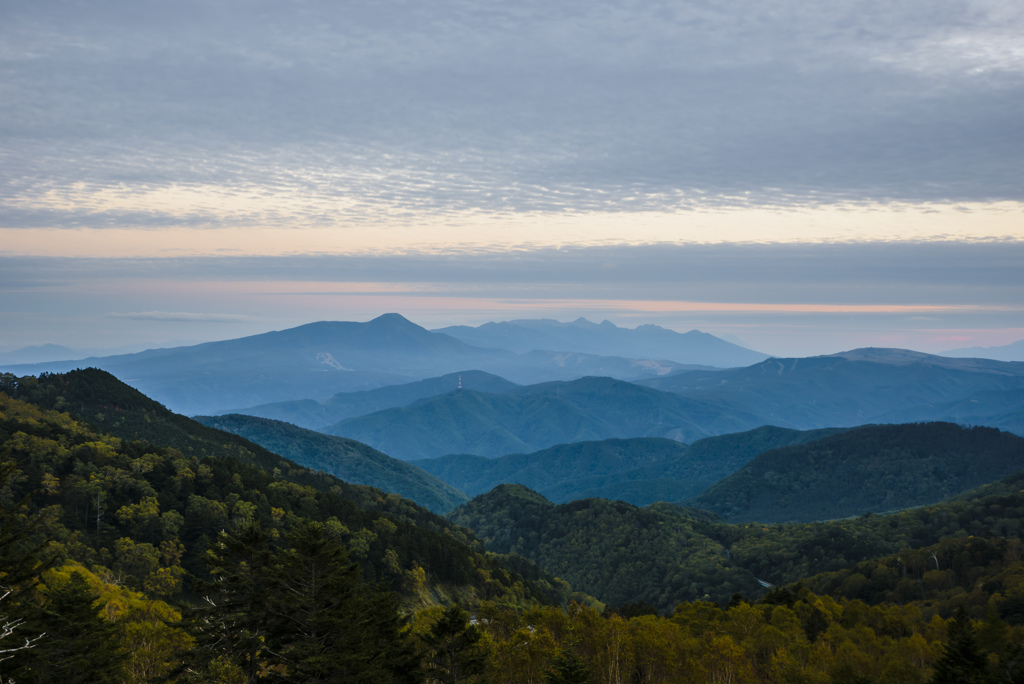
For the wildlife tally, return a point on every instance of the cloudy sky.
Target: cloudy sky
(806, 177)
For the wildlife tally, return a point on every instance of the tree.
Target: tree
(454, 649)
(326, 626)
(80, 645)
(962, 661)
(234, 623)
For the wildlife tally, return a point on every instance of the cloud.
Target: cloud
(183, 317)
(365, 110)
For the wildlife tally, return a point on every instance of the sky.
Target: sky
(803, 177)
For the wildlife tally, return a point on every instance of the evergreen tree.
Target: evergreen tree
(568, 668)
(79, 646)
(454, 649)
(962, 661)
(326, 626)
(234, 623)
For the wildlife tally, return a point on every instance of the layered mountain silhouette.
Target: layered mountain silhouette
(316, 415)
(607, 339)
(639, 471)
(539, 416)
(863, 386)
(874, 468)
(1007, 352)
(347, 459)
(318, 360)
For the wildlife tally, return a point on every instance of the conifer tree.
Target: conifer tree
(80, 645)
(962, 661)
(454, 649)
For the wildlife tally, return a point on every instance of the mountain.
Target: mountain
(559, 465)
(163, 481)
(858, 387)
(318, 360)
(875, 468)
(639, 471)
(607, 339)
(1007, 352)
(612, 550)
(347, 459)
(662, 554)
(315, 415)
(535, 417)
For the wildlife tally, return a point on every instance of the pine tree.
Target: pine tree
(326, 626)
(80, 645)
(234, 623)
(962, 661)
(454, 649)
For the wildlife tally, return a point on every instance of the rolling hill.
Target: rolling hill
(344, 458)
(862, 386)
(639, 471)
(315, 415)
(539, 416)
(874, 468)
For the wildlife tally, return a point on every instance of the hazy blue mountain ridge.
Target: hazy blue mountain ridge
(316, 415)
(639, 471)
(607, 339)
(858, 387)
(317, 360)
(873, 468)
(1007, 352)
(347, 459)
(535, 417)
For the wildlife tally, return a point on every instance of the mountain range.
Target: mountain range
(538, 416)
(868, 469)
(639, 471)
(1007, 352)
(606, 339)
(344, 458)
(861, 386)
(318, 360)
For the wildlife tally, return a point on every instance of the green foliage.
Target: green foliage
(611, 550)
(453, 651)
(347, 459)
(537, 417)
(639, 471)
(875, 468)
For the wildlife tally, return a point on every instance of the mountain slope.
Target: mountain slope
(315, 415)
(612, 550)
(1007, 352)
(558, 465)
(309, 361)
(874, 468)
(344, 458)
(853, 388)
(133, 495)
(539, 416)
(318, 360)
(607, 339)
(639, 471)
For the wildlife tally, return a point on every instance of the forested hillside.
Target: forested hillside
(689, 555)
(145, 563)
(88, 516)
(316, 415)
(539, 416)
(876, 468)
(347, 459)
(639, 471)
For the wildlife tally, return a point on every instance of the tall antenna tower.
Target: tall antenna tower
(460, 383)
